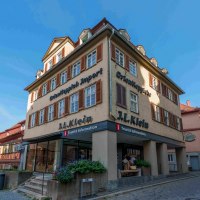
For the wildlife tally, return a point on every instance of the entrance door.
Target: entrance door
(194, 161)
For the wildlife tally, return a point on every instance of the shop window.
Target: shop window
(63, 77)
(170, 158)
(53, 83)
(41, 117)
(76, 69)
(133, 68)
(30, 159)
(44, 89)
(61, 108)
(91, 59)
(50, 112)
(90, 96)
(121, 95)
(74, 103)
(134, 102)
(33, 120)
(119, 57)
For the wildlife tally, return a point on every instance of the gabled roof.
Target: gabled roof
(188, 109)
(56, 40)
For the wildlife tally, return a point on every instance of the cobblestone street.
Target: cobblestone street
(188, 189)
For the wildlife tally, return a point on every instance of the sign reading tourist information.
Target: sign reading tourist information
(132, 120)
(75, 122)
(76, 84)
(133, 84)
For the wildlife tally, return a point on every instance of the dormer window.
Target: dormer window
(84, 36)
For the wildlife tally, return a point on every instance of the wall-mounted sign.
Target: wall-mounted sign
(77, 83)
(132, 120)
(133, 84)
(189, 137)
(75, 122)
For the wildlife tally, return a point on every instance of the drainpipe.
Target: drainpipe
(110, 74)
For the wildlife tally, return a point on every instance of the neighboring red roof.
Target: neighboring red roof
(188, 109)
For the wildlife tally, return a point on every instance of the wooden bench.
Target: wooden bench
(129, 172)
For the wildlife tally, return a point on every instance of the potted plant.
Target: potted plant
(145, 166)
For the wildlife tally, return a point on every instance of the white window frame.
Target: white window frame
(170, 94)
(63, 77)
(50, 64)
(44, 89)
(59, 56)
(50, 113)
(53, 83)
(35, 95)
(91, 59)
(41, 117)
(157, 113)
(90, 96)
(171, 158)
(133, 68)
(154, 82)
(166, 117)
(33, 120)
(178, 123)
(74, 103)
(76, 69)
(119, 57)
(134, 107)
(61, 108)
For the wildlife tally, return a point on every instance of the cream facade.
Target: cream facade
(115, 102)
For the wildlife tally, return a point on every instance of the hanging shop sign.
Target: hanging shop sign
(132, 120)
(77, 84)
(75, 122)
(133, 84)
(189, 137)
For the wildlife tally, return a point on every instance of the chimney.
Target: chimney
(188, 103)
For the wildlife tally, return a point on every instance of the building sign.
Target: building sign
(132, 120)
(75, 122)
(77, 83)
(133, 84)
(189, 137)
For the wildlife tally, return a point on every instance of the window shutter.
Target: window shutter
(150, 80)
(175, 98)
(167, 93)
(126, 62)
(98, 92)
(46, 114)
(163, 89)
(54, 60)
(81, 99)
(113, 52)
(55, 110)
(119, 94)
(161, 115)
(63, 52)
(48, 85)
(83, 63)
(158, 86)
(45, 68)
(32, 95)
(40, 91)
(99, 52)
(153, 112)
(69, 74)
(37, 118)
(123, 96)
(29, 121)
(66, 105)
(170, 120)
(58, 80)
(181, 124)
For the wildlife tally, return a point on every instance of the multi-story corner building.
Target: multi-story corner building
(10, 146)
(101, 98)
(191, 129)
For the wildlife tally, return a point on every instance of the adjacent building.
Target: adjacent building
(102, 98)
(191, 129)
(10, 146)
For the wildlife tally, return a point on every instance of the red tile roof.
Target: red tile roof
(188, 109)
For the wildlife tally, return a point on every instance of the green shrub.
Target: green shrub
(64, 175)
(142, 163)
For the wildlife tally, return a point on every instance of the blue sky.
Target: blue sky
(168, 30)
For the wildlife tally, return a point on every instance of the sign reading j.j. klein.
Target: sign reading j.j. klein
(133, 84)
(75, 122)
(77, 83)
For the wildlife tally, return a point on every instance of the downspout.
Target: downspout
(110, 73)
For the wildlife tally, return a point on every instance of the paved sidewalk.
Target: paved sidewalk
(10, 195)
(124, 191)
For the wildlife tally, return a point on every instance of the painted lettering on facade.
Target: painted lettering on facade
(133, 84)
(132, 120)
(75, 122)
